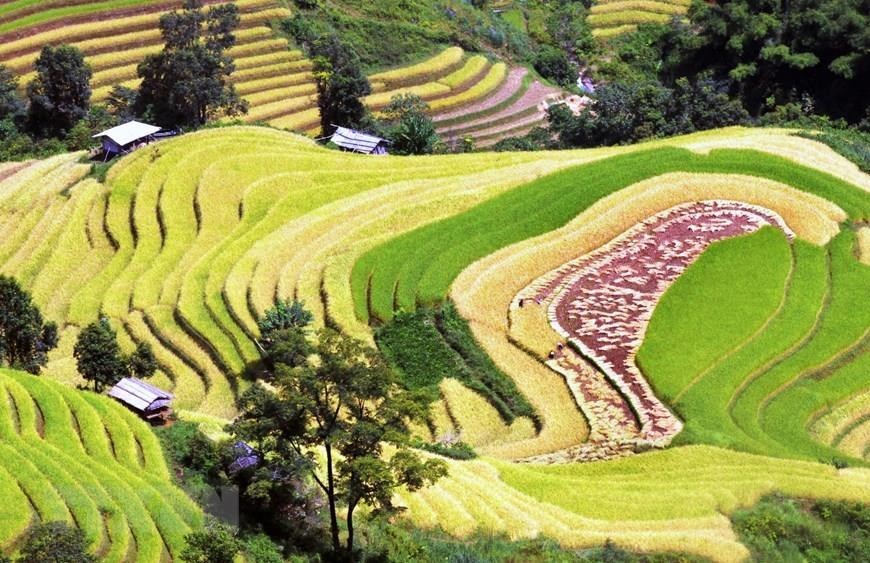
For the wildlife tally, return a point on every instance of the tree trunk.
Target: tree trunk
(330, 486)
(350, 509)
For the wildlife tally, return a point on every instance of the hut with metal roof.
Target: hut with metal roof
(356, 141)
(124, 138)
(245, 457)
(150, 402)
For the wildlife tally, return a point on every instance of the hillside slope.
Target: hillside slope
(105, 473)
(188, 241)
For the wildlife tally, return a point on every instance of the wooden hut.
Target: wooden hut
(149, 402)
(356, 141)
(125, 138)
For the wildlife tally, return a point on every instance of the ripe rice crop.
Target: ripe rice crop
(651, 6)
(391, 79)
(105, 487)
(188, 241)
(625, 17)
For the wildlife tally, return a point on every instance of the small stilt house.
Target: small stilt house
(355, 141)
(149, 402)
(125, 138)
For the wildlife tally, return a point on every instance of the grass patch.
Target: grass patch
(429, 345)
(782, 529)
(714, 306)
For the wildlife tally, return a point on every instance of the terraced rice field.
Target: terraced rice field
(610, 18)
(116, 37)
(516, 107)
(275, 80)
(184, 247)
(105, 472)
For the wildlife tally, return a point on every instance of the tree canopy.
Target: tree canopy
(346, 403)
(776, 52)
(187, 82)
(60, 94)
(25, 338)
(341, 85)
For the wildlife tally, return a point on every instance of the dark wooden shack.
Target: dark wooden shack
(149, 402)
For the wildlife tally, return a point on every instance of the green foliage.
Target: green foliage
(409, 127)
(282, 336)
(553, 64)
(716, 304)
(260, 549)
(25, 338)
(81, 135)
(11, 105)
(537, 139)
(60, 94)
(851, 143)
(626, 112)
(782, 529)
(347, 404)
(341, 85)
(188, 82)
(389, 541)
(55, 542)
(286, 314)
(142, 363)
(781, 50)
(98, 356)
(216, 543)
(428, 345)
(456, 450)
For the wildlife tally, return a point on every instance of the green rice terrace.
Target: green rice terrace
(639, 342)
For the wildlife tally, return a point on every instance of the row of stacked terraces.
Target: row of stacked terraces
(469, 95)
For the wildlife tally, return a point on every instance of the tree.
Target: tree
(216, 543)
(187, 83)
(24, 338)
(98, 356)
(142, 363)
(60, 94)
(55, 542)
(341, 85)
(11, 105)
(286, 313)
(348, 404)
(554, 65)
(410, 129)
(781, 51)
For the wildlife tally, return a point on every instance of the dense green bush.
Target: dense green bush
(430, 344)
(779, 529)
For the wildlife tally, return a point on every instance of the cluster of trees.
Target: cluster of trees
(99, 358)
(26, 338)
(331, 432)
(184, 85)
(801, 63)
(626, 112)
(341, 87)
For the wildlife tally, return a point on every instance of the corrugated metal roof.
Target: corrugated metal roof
(128, 132)
(356, 141)
(140, 395)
